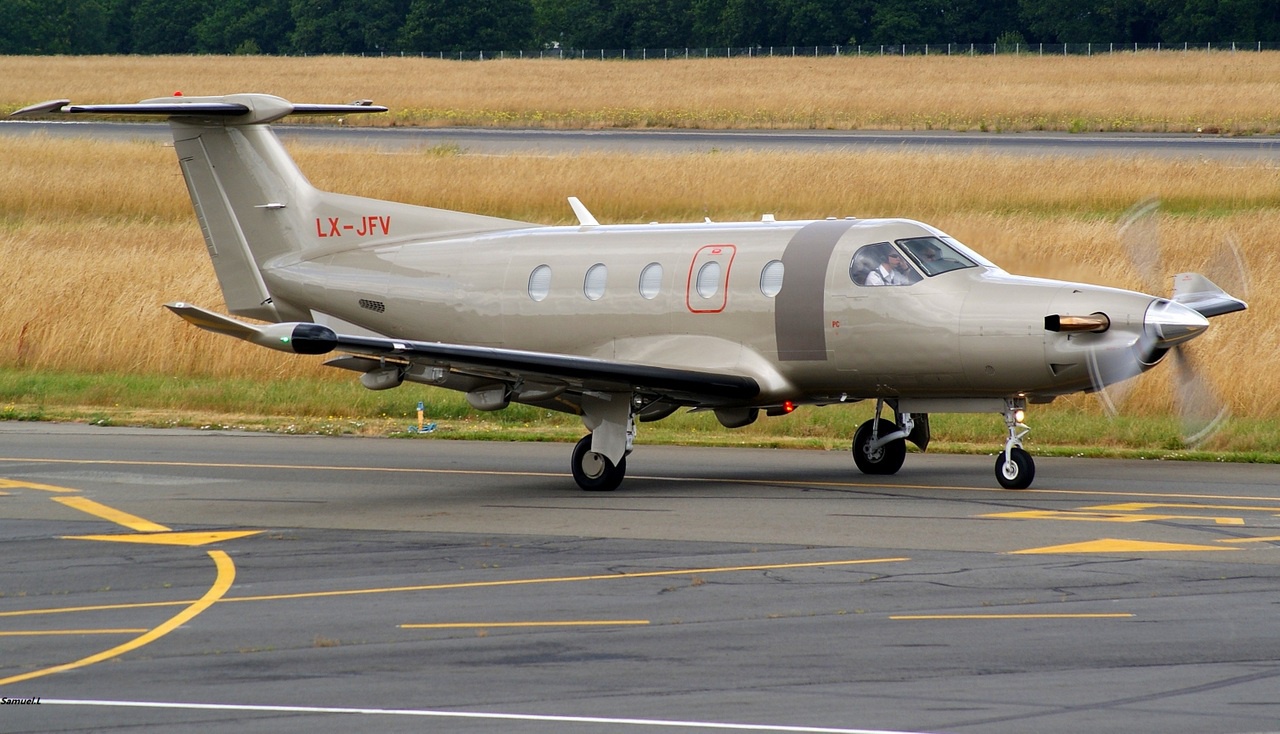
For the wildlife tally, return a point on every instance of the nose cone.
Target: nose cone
(1173, 323)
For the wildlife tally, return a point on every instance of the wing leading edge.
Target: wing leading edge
(587, 373)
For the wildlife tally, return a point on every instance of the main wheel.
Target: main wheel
(594, 472)
(885, 460)
(1016, 471)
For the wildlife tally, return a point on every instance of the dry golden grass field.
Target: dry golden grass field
(1232, 93)
(95, 236)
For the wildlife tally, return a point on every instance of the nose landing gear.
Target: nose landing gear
(1014, 467)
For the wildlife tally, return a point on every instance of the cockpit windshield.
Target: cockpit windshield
(934, 255)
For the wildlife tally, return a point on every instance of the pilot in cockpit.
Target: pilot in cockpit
(894, 270)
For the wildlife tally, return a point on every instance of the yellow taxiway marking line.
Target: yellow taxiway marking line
(1268, 539)
(565, 579)
(1087, 515)
(462, 585)
(43, 633)
(1118, 615)
(486, 472)
(119, 517)
(1113, 545)
(97, 608)
(1142, 506)
(21, 484)
(190, 539)
(226, 574)
(150, 533)
(492, 625)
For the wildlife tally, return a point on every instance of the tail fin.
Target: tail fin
(256, 208)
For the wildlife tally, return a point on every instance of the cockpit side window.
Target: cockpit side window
(881, 264)
(934, 255)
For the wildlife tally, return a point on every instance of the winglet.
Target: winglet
(53, 105)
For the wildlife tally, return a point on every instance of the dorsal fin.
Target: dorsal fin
(584, 216)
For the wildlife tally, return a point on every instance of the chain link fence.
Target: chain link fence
(927, 49)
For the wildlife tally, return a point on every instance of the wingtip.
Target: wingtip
(53, 105)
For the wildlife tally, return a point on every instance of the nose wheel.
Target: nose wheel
(1015, 469)
(595, 472)
(1014, 466)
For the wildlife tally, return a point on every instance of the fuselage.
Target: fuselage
(783, 302)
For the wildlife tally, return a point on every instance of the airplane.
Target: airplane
(628, 323)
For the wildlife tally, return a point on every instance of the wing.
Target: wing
(484, 365)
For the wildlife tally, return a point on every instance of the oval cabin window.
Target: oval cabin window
(593, 284)
(651, 281)
(771, 278)
(540, 282)
(708, 279)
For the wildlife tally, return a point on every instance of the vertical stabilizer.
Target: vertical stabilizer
(249, 208)
(256, 208)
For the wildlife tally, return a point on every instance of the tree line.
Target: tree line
(297, 27)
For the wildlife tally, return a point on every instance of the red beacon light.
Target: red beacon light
(786, 407)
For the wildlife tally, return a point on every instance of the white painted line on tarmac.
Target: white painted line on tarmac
(710, 725)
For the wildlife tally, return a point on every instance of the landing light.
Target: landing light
(1019, 415)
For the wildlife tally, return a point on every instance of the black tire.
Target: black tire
(1017, 474)
(885, 460)
(594, 472)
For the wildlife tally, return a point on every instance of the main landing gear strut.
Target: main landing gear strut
(600, 459)
(593, 471)
(880, 445)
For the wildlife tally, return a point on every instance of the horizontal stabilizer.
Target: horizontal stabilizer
(231, 109)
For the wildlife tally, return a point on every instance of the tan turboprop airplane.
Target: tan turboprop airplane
(619, 323)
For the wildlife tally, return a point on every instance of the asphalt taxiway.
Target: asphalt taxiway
(183, 580)
(506, 141)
